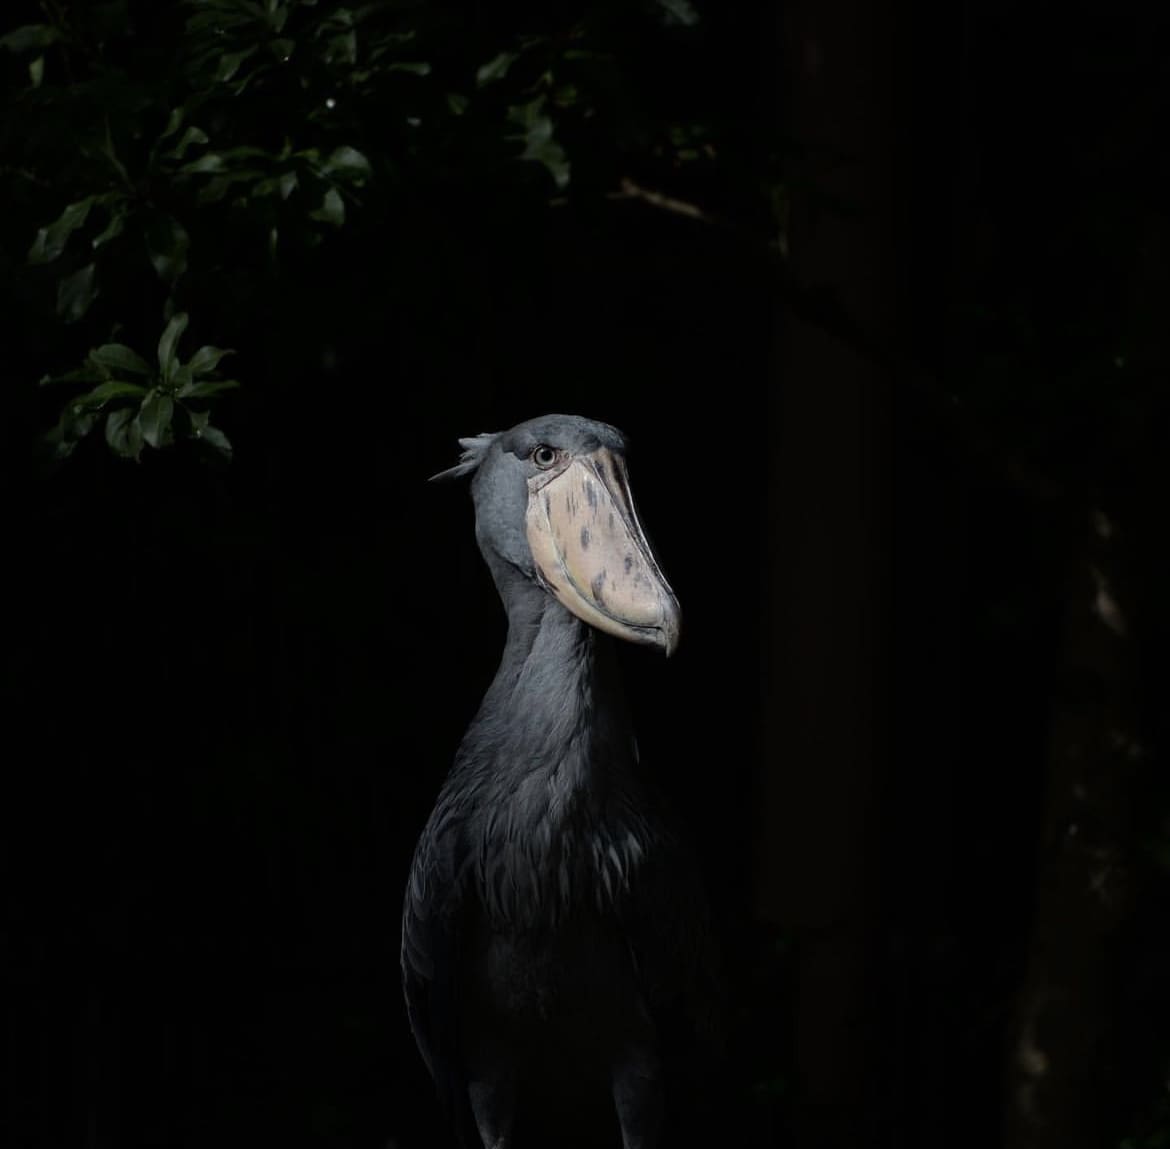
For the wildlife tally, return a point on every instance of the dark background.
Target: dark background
(899, 443)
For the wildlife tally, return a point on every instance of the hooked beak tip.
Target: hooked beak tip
(670, 632)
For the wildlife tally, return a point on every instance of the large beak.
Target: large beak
(591, 552)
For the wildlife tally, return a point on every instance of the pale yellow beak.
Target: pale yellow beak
(591, 553)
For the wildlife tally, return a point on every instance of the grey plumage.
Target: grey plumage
(552, 920)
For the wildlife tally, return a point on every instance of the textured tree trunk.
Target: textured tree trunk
(1056, 1060)
(1059, 1070)
(830, 555)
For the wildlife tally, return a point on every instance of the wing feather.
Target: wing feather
(433, 909)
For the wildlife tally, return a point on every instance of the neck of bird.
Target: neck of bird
(551, 757)
(553, 724)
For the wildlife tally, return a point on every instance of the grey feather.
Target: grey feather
(474, 449)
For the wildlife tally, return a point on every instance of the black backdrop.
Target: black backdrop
(240, 689)
(233, 693)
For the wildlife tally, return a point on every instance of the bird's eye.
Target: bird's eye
(544, 456)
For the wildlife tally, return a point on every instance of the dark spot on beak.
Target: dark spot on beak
(584, 538)
(597, 586)
(611, 520)
(629, 563)
(590, 494)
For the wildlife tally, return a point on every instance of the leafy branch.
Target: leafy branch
(243, 135)
(143, 403)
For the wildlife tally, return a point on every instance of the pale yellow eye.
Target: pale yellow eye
(544, 456)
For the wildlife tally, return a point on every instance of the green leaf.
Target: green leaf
(539, 145)
(332, 209)
(36, 71)
(166, 243)
(552, 156)
(283, 185)
(214, 437)
(192, 135)
(119, 357)
(51, 240)
(680, 12)
(154, 418)
(29, 37)
(207, 388)
(283, 49)
(85, 374)
(342, 48)
(108, 151)
(167, 359)
(342, 17)
(214, 190)
(411, 67)
(495, 69)
(111, 389)
(174, 122)
(206, 359)
(75, 424)
(349, 162)
(525, 115)
(246, 152)
(112, 230)
(76, 292)
(59, 444)
(220, 20)
(211, 162)
(230, 62)
(123, 433)
(71, 428)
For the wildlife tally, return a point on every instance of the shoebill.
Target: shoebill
(555, 948)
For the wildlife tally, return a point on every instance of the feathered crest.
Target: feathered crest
(474, 450)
